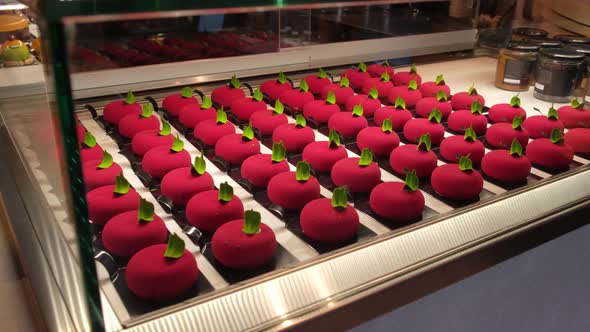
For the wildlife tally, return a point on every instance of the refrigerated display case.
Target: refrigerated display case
(100, 51)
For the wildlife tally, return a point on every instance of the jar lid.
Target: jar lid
(530, 32)
(572, 39)
(580, 48)
(546, 43)
(523, 47)
(562, 54)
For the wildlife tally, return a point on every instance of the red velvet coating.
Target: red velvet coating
(207, 213)
(431, 89)
(145, 140)
(209, 131)
(453, 147)
(321, 157)
(152, 276)
(174, 103)
(320, 111)
(398, 117)
(415, 128)
(80, 131)
(245, 107)
(554, 156)
(266, 121)
(341, 93)
(408, 157)
(191, 115)
(574, 118)
(259, 169)
(103, 204)
(502, 166)
(539, 126)
(425, 106)
(235, 150)
(95, 177)
(88, 154)
(382, 87)
(346, 124)
(160, 160)
(411, 97)
(459, 121)
(294, 138)
(463, 100)
(131, 125)
(237, 250)
(579, 140)
(274, 89)
(501, 135)
(376, 70)
(380, 143)
(347, 172)
(504, 113)
(316, 84)
(295, 99)
(356, 78)
(451, 182)
(403, 78)
(123, 235)
(284, 190)
(324, 223)
(114, 111)
(180, 185)
(225, 95)
(392, 201)
(369, 105)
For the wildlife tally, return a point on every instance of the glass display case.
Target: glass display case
(136, 55)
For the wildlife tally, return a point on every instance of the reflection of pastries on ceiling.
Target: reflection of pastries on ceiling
(572, 15)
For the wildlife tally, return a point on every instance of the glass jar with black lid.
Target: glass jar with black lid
(585, 77)
(572, 39)
(521, 34)
(546, 43)
(558, 72)
(516, 65)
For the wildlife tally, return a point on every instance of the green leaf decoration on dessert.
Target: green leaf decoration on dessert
(576, 104)
(248, 133)
(357, 110)
(322, 73)
(552, 114)
(556, 136)
(303, 171)
(175, 248)
(279, 107)
(282, 78)
(515, 101)
(385, 77)
(441, 96)
(147, 110)
(333, 139)
(339, 199)
(186, 92)
(221, 116)
(373, 93)
(226, 192)
(476, 107)
(207, 103)
(107, 160)
(465, 163)
(435, 115)
(130, 98)
(300, 121)
(177, 144)
(424, 142)
(234, 82)
(517, 122)
(366, 157)
(89, 140)
(121, 185)
(251, 222)
(386, 63)
(362, 67)
(166, 129)
(344, 82)
(470, 134)
(257, 95)
(413, 69)
(411, 181)
(278, 152)
(399, 104)
(387, 126)
(199, 165)
(515, 148)
(440, 80)
(331, 98)
(145, 213)
(472, 91)
(413, 85)
(303, 86)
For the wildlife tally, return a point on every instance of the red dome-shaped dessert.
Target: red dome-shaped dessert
(381, 84)
(145, 140)
(540, 126)
(398, 201)
(104, 203)
(370, 104)
(410, 94)
(317, 82)
(456, 181)
(235, 148)
(193, 114)
(292, 190)
(464, 100)
(579, 140)
(574, 115)
(114, 111)
(181, 184)
(425, 105)
(399, 115)
(507, 166)
(551, 153)
(320, 110)
(267, 120)
(341, 91)
(505, 113)
(175, 102)
(274, 88)
(130, 125)
(80, 131)
(295, 136)
(243, 108)
(210, 131)
(208, 210)
(415, 128)
(225, 95)
(98, 173)
(348, 124)
(377, 69)
(356, 76)
(380, 140)
(324, 154)
(236, 247)
(417, 157)
(460, 120)
(295, 99)
(260, 168)
(453, 148)
(431, 89)
(90, 150)
(500, 135)
(162, 159)
(403, 78)
(357, 174)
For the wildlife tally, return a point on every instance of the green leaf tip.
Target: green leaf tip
(331, 98)
(199, 165)
(515, 101)
(470, 134)
(441, 96)
(278, 152)
(517, 122)
(303, 86)
(107, 160)
(400, 103)
(362, 67)
(373, 93)
(411, 181)
(303, 171)
(226, 192)
(472, 91)
(333, 139)
(476, 107)
(552, 114)
(186, 92)
(166, 129)
(130, 98)
(175, 247)
(248, 133)
(145, 212)
(279, 107)
(465, 163)
(300, 121)
(235, 82)
(357, 110)
(576, 104)
(413, 69)
(89, 140)
(366, 157)
(424, 142)
(385, 77)
(221, 116)
(147, 110)
(413, 85)
(282, 78)
(387, 126)
(435, 115)
(339, 198)
(515, 148)
(121, 185)
(207, 103)
(556, 136)
(177, 144)
(257, 95)
(440, 80)
(386, 63)
(322, 73)
(344, 82)
(252, 221)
